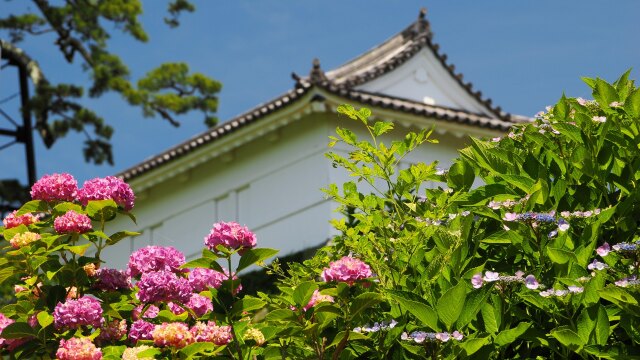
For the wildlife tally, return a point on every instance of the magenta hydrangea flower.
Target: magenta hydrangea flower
(202, 279)
(230, 235)
(111, 331)
(111, 280)
(56, 187)
(12, 220)
(151, 313)
(174, 334)
(155, 258)
(163, 286)
(78, 349)
(72, 222)
(109, 187)
(75, 313)
(4, 322)
(141, 330)
(210, 332)
(199, 304)
(347, 269)
(317, 298)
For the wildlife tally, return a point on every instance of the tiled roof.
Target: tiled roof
(341, 82)
(396, 51)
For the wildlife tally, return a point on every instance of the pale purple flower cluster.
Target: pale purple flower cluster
(72, 222)
(347, 270)
(421, 336)
(628, 281)
(202, 279)
(580, 214)
(111, 280)
(78, 349)
(210, 332)
(603, 250)
(12, 220)
(625, 246)
(199, 304)
(141, 330)
(597, 265)
(112, 330)
(506, 204)
(155, 258)
(163, 286)
(109, 187)
(75, 313)
(560, 292)
(56, 187)
(230, 235)
(490, 276)
(377, 326)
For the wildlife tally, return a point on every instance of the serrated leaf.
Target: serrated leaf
(603, 327)
(253, 256)
(506, 337)
(115, 238)
(281, 315)
(489, 318)
(79, 249)
(473, 304)
(451, 303)
(248, 304)
(33, 206)
(560, 256)
(44, 319)
(303, 292)
(567, 337)
(196, 348)
(363, 302)
(18, 330)
(471, 346)
(423, 312)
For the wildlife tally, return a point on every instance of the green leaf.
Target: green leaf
(149, 353)
(44, 319)
(461, 175)
(473, 304)
(489, 318)
(8, 234)
(253, 256)
(523, 183)
(247, 304)
(281, 315)
(303, 292)
(586, 323)
(197, 263)
(112, 352)
(567, 337)
(18, 330)
(471, 346)
(605, 93)
(64, 207)
(632, 103)
(506, 337)
(416, 306)
(196, 348)
(451, 303)
(6, 273)
(79, 249)
(363, 302)
(381, 127)
(33, 206)
(115, 238)
(102, 209)
(560, 256)
(603, 327)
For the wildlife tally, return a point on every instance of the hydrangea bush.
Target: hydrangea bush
(526, 247)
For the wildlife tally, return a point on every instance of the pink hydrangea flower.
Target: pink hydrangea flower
(141, 330)
(78, 349)
(24, 239)
(202, 279)
(111, 331)
(12, 220)
(72, 222)
(111, 280)
(4, 322)
(347, 269)
(109, 187)
(155, 258)
(75, 313)
(172, 334)
(199, 304)
(230, 235)
(56, 187)
(163, 286)
(317, 298)
(132, 353)
(151, 313)
(210, 332)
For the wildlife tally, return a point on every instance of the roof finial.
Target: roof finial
(422, 14)
(317, 75)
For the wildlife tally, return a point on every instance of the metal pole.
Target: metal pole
(26, 128)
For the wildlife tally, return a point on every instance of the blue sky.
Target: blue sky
(523, 55)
